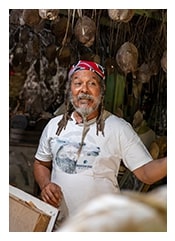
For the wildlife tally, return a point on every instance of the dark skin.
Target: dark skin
(87, 82)
(50, 192)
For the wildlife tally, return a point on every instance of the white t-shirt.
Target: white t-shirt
(94, 171)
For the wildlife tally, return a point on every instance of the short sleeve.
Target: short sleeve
(43, 152)
(134, 152)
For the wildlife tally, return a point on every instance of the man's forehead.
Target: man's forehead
(85, 74)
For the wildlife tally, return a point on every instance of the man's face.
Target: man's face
(85, 92)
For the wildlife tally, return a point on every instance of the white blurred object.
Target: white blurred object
(129, 211)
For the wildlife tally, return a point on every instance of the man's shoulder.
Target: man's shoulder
(55, 119)
(113, 118)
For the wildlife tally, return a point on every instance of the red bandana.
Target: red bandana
(87, 65)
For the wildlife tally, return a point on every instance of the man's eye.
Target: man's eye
(77, 83)
(92, 83)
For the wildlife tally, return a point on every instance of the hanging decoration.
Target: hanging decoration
(121, 15)
(49, 14)
(85, 30)
(31, 17)
(127, 58)
(44, 43)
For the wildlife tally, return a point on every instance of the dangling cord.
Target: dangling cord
(102, 114)
(80, 15)
(85, 131)
(67, 28)
(68, 111)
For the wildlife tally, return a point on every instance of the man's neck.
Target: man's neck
(79, 118)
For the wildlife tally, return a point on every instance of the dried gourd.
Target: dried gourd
(31, 17)
(49, 14)
(121, 15)
(85, 30)
(144, 73)
(127, 58)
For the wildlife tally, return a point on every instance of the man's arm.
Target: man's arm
(152, 171)
(42, 172)
(50, 192)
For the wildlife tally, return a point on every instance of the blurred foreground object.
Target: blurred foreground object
(129, 211)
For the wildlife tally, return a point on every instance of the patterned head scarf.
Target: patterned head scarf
(87, 65)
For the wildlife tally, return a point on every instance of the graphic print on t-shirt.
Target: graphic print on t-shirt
(69, 161)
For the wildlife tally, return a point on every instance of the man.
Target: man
(79, 153)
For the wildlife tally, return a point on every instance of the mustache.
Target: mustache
(85, 96)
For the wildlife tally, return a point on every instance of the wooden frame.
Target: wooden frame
(25, 209)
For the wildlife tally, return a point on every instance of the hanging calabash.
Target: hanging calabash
(49, 14)
(31, 17)
(127, 58)
(85, 30)
(144, 73)
(121, 15)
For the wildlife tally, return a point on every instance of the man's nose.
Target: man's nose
(84, 88)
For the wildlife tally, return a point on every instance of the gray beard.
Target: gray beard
(85, 111)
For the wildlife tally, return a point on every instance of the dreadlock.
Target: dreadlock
(100, 121)
(68, 111)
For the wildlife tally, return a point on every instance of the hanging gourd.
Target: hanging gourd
(121, 15)
(49, 14)
(144, 73)
(85, 30)
(31, 17)
(127, 58)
